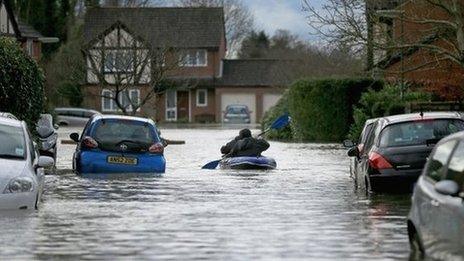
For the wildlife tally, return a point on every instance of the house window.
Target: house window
(202, 98)
(121, 61)
(126, 99)
(30, 47)
(194, 58)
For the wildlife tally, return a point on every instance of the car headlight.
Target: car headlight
(19, 185)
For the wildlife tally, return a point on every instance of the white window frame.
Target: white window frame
(115, 68)
(205, 91)
(186, 61)
(113, 106)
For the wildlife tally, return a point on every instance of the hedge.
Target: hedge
(388, 101)
(322, 110)
(21, 83)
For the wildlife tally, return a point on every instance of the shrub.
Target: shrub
(388, 101)
(322, 110)
(278, 110)
(21, 83)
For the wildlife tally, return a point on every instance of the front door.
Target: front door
(171, 105)
(182, 105)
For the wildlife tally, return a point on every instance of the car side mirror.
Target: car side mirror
(447, 187)
(348, 144)
(353, 152)
(74, 136)
(45, 162)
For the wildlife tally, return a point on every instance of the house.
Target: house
(30, 39)
(127, 49)
(408, 24)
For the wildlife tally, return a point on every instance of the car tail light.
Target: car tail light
(89, 142)
(377, 161)
(156, 148)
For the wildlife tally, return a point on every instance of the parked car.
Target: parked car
(118, 144)
(8, 115)
(396, 149)
(436, 219)
(22, 173)
(74, 116)
(237, 114)
(47, 136)
(368, 127)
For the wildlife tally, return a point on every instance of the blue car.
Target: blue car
(118, 144)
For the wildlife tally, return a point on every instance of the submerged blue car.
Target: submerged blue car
(118, 144)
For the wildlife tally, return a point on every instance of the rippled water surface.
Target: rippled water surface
(306, 209)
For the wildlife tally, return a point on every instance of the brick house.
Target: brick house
(30, 39)
(202, 83)
(414, 64)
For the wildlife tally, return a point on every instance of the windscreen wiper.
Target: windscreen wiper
(10, 156)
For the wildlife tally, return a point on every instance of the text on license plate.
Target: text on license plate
(122, 160)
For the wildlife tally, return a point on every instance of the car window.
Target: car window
(13, 142)
(436, 166)
(371, 138)
(419, 132)
(365, 133)
(456, 166)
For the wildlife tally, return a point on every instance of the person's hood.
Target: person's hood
(10, 169)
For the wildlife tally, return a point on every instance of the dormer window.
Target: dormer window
(194, 58)
(119, 61)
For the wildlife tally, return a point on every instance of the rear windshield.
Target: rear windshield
(136, 135)
(419, 132)
(12, 140)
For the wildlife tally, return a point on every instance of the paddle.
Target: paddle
(278, 124)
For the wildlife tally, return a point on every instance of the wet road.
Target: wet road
(306, 209)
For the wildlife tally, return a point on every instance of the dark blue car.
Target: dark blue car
(118, 144)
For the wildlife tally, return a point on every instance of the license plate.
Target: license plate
(122, 160)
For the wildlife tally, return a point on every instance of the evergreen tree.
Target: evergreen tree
(255, 45)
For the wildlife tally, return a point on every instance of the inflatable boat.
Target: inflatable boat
(248, 163)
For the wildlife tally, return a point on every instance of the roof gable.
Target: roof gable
(8, 25)
(161, 27)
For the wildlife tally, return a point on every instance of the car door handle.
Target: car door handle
(435, 203)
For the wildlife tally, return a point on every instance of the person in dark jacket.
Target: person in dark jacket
(245, 145)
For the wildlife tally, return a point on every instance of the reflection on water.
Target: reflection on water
(306, 209)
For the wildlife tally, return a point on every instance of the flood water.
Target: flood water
(306, 209)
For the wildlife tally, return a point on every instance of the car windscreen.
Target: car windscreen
(421, 132)
(13, 144)
(237, 110)
(135, 135)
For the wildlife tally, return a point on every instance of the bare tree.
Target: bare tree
(436, 26)
(128, 71)
(239, 21)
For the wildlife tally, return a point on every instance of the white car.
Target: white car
(21, 167)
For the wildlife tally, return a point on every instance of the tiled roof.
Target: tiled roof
(161, 27)
(256, 72)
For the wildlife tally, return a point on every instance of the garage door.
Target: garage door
(269, 100)
(241, 99)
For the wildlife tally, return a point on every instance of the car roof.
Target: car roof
(417, 116)
(237, 105)
(74, 109)
(10, 122)
(120, 117)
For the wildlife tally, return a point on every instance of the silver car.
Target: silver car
(436, 219)
(22, 169)
(73, 116)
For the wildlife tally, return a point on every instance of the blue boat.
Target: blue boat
(260, 163)
(118, 144)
